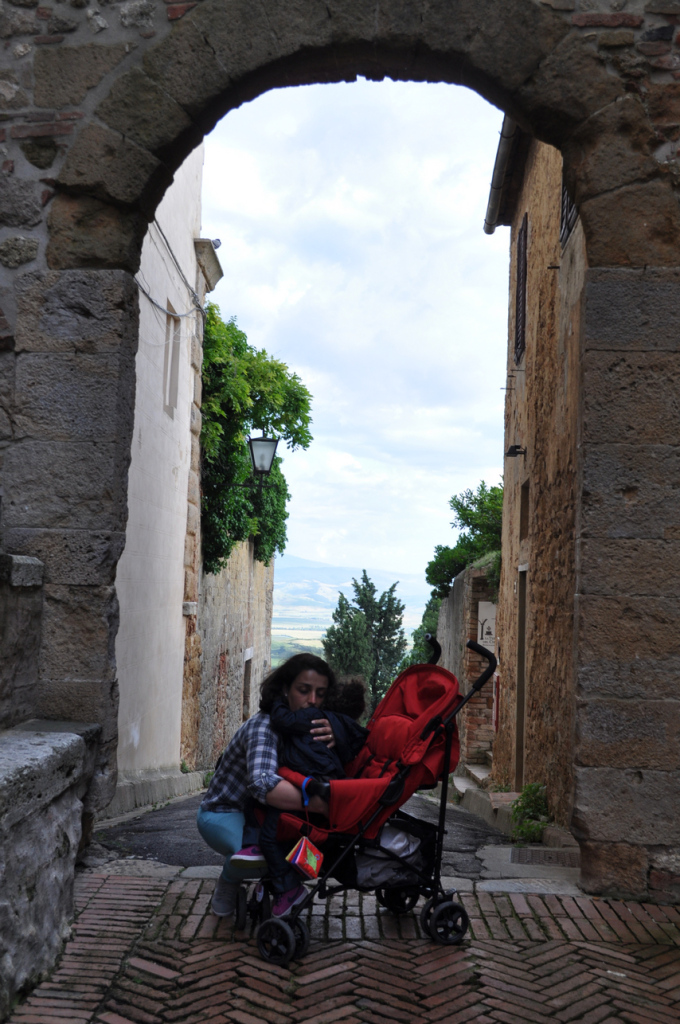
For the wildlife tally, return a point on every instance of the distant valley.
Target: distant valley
(306, 593)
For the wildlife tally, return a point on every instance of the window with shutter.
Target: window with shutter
(521, 298)
(569, 217)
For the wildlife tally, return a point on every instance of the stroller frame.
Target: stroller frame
(280, 940)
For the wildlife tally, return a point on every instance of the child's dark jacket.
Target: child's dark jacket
(301, 752)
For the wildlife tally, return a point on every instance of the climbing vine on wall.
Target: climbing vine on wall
(244, 390)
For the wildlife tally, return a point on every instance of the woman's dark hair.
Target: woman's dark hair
(284, 675)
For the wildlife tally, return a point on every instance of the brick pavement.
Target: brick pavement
(147, 952)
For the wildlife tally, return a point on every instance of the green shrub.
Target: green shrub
(530, 813)
(244, 391)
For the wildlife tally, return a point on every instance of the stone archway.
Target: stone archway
(94, 146)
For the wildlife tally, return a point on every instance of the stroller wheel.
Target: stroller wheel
(276, 941)
(241, 909)
(426, 912)
(398, 901)
(448, 923)
(302, 938)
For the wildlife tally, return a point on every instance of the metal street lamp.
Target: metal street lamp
(262, 452)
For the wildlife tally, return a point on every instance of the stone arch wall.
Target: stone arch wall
(100, 105)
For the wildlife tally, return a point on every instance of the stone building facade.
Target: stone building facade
(102, 106)
(542, 423)
(188, 641)
(459, 621)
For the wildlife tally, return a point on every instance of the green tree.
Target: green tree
(347, 645)
(382, 628)
(479, 516)
(244, 390)
(421, 651)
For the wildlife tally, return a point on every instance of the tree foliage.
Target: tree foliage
(421, 652)
(244, 390)
(479, 516)
(367, 637)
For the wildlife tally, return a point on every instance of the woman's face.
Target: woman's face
(307, 690)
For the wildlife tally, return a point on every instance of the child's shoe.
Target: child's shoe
(285, 901)
(250, 855)
(316, 788)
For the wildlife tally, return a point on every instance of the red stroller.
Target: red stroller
(369, 844)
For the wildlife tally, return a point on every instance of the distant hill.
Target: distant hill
(307, 592)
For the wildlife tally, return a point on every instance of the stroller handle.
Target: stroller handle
(490, 668)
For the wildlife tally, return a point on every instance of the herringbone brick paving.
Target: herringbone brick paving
(149, 952)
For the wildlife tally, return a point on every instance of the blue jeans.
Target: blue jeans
(226, 832)
(223, 832)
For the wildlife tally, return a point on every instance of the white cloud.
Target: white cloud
(351, 221)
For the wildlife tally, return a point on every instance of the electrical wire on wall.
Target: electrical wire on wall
(146, 293)
(144, 289)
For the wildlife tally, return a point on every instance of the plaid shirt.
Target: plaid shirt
(247, 767)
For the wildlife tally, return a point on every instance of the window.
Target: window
(246, 689)
(521, 296)
(569, 217)
(524, 511)
(171, 363)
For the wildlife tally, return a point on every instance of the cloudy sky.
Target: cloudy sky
(352, 247)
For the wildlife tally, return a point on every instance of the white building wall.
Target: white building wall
(150, 577)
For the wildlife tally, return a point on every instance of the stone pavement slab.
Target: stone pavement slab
(147, 950)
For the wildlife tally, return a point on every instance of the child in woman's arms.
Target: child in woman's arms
(302, 752)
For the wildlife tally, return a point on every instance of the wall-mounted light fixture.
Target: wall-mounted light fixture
(262, 452)
(514, 450)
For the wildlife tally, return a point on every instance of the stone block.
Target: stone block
(644, 677)
(634, 226)
(105, 164)
(189, 551)
(20, 630)
(75, 557)
(138, 108)
(630, 397)
(20, 570)
(615, 38)
(629, 491)
(630, 309)
(193, 519)
(570, 86)
(626, 806)
(40, 152)
(35, 769)
(20, 204)
(194, 489)
(614, 869)
(85, 232)
(43, 774)
(15, 23)
(663, 102)
(630, 566)
(74, 397)
(628, 734)
(196, 420)
(195, 462)
(185, 67)
(77, 310)
(77, 646)
(627, 627)
(50, 485)
(76, 698)
(612, 148)
(63, 75)
(17, 250)
(190, 585)
(137, 14)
